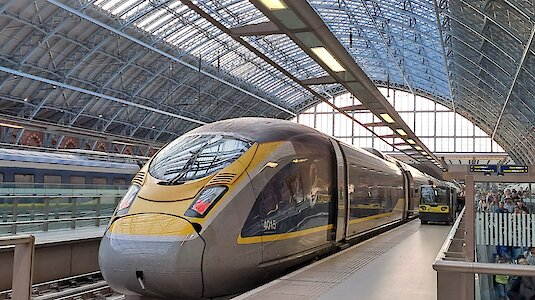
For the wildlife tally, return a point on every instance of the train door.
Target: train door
(342, 208)
(295, 192)
(408, 185)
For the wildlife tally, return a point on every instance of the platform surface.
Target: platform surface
(67, 235)
(394, 265)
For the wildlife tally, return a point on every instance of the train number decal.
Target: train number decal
(270, 225)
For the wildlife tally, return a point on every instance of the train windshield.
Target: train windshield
(434, 195)
(196, 156)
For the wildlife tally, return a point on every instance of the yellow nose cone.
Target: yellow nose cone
(152, 224)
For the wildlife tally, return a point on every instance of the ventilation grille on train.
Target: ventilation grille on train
(223, 178)
(138, 179)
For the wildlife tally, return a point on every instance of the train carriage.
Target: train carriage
(438, 203)
(237, 202)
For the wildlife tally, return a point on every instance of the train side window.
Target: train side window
(24, 178)
(295, 186)
(1, 177)
(274, 201)
(119, 181)
(52, 179)
(77, 180)
(100, 180)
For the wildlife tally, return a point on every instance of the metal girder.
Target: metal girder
(401, 67)
(521, 63)
(165, 54)
(96, 94)
(482, 37)
(389, 13)
(6, 5)
(443, 47)
(300, 15)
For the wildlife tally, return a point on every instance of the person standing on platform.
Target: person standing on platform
(482, 205)
(514, 283)
(509, 205)
(500, 209)
(530, 256)
(522, 206)
(501, 250)
(500, 281)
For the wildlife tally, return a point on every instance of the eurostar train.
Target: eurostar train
(235, 203)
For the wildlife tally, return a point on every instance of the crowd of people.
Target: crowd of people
(516, 287)
(508, 201)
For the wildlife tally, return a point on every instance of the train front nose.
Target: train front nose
(162, 251)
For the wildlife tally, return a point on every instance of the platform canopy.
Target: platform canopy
(142, 72)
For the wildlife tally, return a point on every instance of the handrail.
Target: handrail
(450, 238)
(484, 268)
(45, 222)
(55, 220)
(455, 276)
(22, 264)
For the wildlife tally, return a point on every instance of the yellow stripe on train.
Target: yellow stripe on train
(282, 236)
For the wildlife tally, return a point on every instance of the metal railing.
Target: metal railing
(28, 190)
(18, 215)
(22, 264)
(455, 263)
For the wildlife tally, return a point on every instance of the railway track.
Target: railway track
(82, 287)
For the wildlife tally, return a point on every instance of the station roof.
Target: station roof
(146, 71)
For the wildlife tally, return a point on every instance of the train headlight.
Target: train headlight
(443, 208)
(422, 207)
(205, 201)
(128, 199)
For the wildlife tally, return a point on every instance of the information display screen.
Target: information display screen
(513, 169)
(484, 168)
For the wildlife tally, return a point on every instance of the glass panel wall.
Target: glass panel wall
(504, 234)
(439, 128)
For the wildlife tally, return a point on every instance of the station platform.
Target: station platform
(69, 235)
(393, 265)
(58, 254)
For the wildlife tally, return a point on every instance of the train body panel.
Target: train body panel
(22, 166)
(259, 196)
(375, 191)
(438, 203)
(417, 179)
(293, 199)
(168, 263)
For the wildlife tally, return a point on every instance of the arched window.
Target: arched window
(437, 126)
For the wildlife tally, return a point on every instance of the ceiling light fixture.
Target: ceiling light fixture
(410, 141)
(122, 143)
(418, 148)
(327, 58)
(274, 4)
(10, 125)
(402, 132)
(387, 118)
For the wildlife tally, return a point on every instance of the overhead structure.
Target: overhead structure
(299, 21)
(120, 75)
(74, 76)
(491, 67)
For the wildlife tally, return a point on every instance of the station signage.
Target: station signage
(484, 168)
(513, 169)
